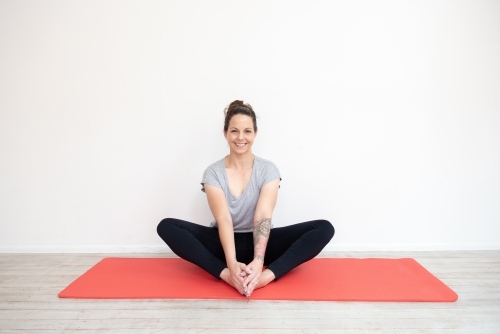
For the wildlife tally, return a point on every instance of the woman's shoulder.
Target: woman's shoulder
(214, 175)
(265, 164)
(264, 161)
(216, 165)
(214, 170)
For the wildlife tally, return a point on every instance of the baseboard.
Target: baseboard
(85, 249)
(330, 247)
(410, 247)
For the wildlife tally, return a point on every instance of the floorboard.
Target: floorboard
(29, 284)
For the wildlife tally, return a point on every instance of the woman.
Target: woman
(242, 190)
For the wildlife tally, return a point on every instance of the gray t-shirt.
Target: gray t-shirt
(242, 208)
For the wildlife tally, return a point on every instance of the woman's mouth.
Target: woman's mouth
(240, 144)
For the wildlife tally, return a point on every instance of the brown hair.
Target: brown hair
(239, 107)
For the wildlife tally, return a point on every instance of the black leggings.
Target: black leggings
(287, 247)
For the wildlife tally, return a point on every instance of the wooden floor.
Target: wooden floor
(29, 284)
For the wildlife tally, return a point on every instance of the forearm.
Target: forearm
(261, 231)
(226, 235)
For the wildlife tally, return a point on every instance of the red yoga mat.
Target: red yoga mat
(327, 279)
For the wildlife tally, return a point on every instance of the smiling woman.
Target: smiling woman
(241, 133)
(242, 190)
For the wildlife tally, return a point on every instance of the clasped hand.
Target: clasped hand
(246, 277)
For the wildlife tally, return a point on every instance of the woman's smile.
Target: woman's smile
(241, 134)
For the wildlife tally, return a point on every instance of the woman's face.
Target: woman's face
(240, 134)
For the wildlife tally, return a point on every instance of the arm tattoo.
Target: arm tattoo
(259, 257)
(262, 229)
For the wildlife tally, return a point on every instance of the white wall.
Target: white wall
(383, 117)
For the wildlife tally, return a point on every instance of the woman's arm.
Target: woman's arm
(262, 227)
(220, 210)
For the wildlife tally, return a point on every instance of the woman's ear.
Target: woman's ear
(225, 133)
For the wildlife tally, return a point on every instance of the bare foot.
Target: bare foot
(225, 275)
(266, 277)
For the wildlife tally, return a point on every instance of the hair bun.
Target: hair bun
(239, 107)
(237, 103)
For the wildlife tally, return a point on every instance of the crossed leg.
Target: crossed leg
(287, 248)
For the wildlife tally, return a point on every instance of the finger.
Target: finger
(236, 272)
(251, 287)
(240, 289)
(243, 267)
(254, 283)
(250, 274)
(248, 279)
(249, 291)
(247, 269)
(239, 281)
(254, 280)
(238, 284)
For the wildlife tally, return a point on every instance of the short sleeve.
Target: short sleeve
(210, 176)
(271, 173)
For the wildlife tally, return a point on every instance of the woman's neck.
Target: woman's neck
(234, 161)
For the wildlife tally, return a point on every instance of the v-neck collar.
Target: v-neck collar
(227, 178)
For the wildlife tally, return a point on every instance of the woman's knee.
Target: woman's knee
(326, 227)
(164, 226)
